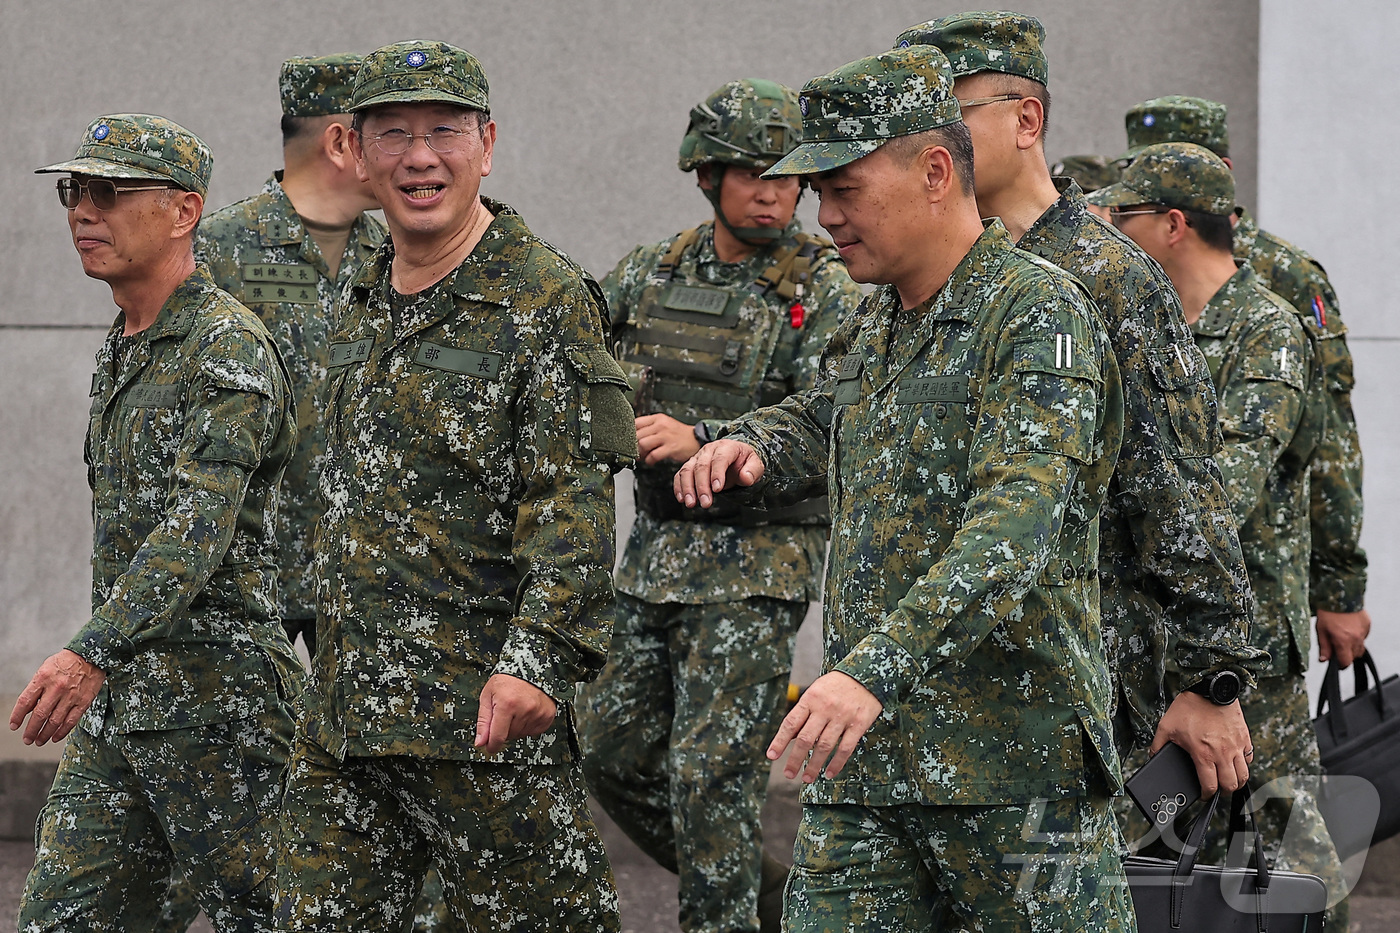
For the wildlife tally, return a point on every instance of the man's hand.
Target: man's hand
(510, 709)
(832, 716)
(1215, 736)
(58, 695)
(717, 467)
(1342, 635)
(661, 437)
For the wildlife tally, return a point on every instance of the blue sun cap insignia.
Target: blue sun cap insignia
(416, 59)
(1148, 119)
(802, 105)
(101, 132)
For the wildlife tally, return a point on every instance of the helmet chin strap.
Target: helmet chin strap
(754, 235)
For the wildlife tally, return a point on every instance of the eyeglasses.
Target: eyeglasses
(1115, 214)
(397, 141)
(102, 192)
(979, 101)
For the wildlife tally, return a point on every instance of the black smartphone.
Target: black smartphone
(1165, 786)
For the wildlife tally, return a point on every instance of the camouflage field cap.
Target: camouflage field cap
(1090, 172)
(139, 145)
(420, 71)
(987, 41)
(750, 123)
(317, 87)
(1181, 175)
(1177, 120)
(851, 112)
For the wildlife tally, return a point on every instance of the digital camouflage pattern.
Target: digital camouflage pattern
(966, 445)
(420, 70)
(709, 562)
(749, 123)
(1039, 866)
(1169, 553)
(1090, 172)
(127, 807)
(1010, 43)
(469, 519)
(1272, 416)
(1180, 175)
(317, 87)
(855, 109)
(1338, 573)
(1177, 119)
(139, 145)
(517, 846)
(674, 734)
(259, 252)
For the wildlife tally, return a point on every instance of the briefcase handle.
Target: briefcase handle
(1241, 820)
(1331, 697)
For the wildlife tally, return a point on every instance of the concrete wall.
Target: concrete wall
(591, 97)
(1327, 182)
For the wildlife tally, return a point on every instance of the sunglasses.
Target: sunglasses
(102, 192)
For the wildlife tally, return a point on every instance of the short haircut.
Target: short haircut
(483, 117)
(1003, 83)
(1215, 230)
(293, 128)
(954, 137)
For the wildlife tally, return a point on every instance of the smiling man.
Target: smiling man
(186, 679)
(464, 557)
(714, 322)
(958, 751)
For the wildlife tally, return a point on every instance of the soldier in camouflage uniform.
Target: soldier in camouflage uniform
(965, 427)
(1337, 575)
(1176, 201)
(183, 680)
(1090, 172)
(286, 253)
(675, 728)
(1169, 552)
(464, 558)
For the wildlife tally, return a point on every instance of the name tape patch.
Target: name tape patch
(452, 360)
(151, 395)
(916, 390)
(354, 351)
(96, 384)
(294, 283)
(696, 298)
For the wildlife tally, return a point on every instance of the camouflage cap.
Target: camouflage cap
(1177, 120)
(317, 87)
(1090, 172)
(987, 41)
(139, 145)
(420, 71)
(1181, 175)
(851, 112)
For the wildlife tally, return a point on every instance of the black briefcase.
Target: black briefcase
(1359, 739)
(1181, 895)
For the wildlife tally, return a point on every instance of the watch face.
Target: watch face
(1225, 688)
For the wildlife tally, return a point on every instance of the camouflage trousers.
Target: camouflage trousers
(515, 844)
(1044, 867)
(125, 808)
(674, 736)
(1284, 772)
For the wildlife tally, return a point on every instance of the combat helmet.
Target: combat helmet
(750, 123)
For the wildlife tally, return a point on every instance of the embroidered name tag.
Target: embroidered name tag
(452, 360)
(696, 298)
(916, 390)
(848, 388)
(96, 385)
(355, 351)
(850, 366)
(293, 283)
(150, 395)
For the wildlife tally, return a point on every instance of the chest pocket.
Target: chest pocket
(935, 412)
(1181, 378)
(150, 418)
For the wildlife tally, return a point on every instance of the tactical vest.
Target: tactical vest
(699, 351)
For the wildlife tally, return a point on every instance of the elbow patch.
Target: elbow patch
(607, 429)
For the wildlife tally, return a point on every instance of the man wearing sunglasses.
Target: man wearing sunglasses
(1170, 557)
(464, 558)
(181, 684)
(1175, 201)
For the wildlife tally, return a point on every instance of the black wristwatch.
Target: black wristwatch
(702, 433)
(1222, 688)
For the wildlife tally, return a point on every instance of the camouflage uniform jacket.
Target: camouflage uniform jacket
(708, 562)
(258, 252)
(1169, 554)
(469, 515)
(1273, 416)
(1338, 571)
(187, 439)
(967, 445)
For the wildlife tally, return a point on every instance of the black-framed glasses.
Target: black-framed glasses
(397, 141)
(102, 191)
(979, 101)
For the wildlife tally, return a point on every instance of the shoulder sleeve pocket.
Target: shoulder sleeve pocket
(1056, 395)
(607, 429)
(1180, 376)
